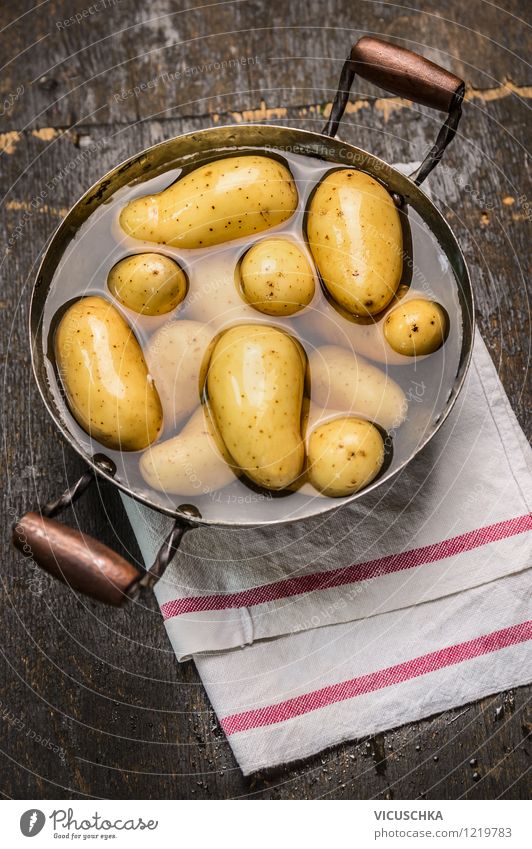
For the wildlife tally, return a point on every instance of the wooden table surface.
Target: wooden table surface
(93, 702)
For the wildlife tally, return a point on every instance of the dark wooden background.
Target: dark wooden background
(92, 700)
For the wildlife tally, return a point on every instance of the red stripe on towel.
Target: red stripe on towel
(349, 574)
(317, 699)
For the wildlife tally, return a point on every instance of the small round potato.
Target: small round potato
(344, 456)
(277, 278)
(150, 284)
(416, 328)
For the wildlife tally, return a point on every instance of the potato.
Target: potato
(416, 328)
(192, 463)
(223, 200)
(255, 389)
(344, 455)
(354, 234)
(105, 377)
(276, 277)
(149, 284)
(177, 357)
(341, 380)
(312, 417)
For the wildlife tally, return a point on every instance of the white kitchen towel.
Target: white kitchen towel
(410, 601)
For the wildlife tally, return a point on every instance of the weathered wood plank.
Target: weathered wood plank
(194, 58)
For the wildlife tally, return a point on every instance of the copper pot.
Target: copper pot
(84, 563)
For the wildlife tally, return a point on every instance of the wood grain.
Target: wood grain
(116, 715)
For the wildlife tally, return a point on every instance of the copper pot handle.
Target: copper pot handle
(408, 75)
(405, 73)
(75, 558)
(81, 561)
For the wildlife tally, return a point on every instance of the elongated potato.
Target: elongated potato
(223, 200)
(276, 277)
(255, 388)
(194, 462)
(150, 284)
(105, 377)
(344, 455)
(416, 327)
(344, 381)
(354, 233)
(177, 357)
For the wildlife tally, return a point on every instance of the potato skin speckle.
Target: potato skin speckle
(277, 278)
(416, 328)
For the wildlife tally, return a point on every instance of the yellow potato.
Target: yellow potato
(255, 388)
(344, 455)
(223, 200)
(192, 463)
(177, 357)
(149, 284)
(276, 277)
(312, 417)
(341, 380)
(416, 327)
(354, 233)
(105, 377)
